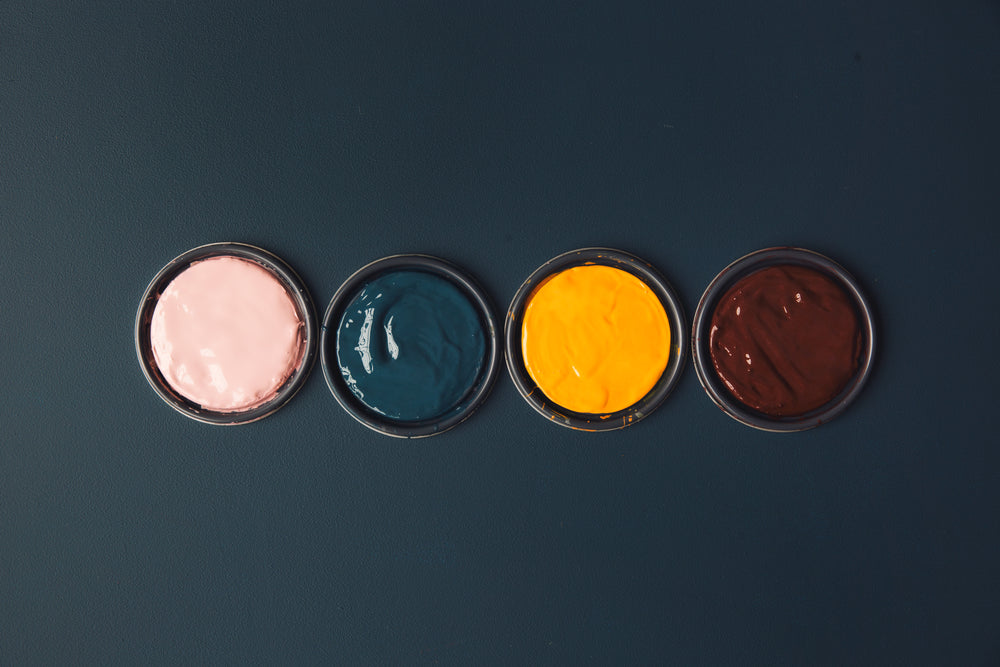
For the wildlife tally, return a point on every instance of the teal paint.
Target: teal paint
(411, 346)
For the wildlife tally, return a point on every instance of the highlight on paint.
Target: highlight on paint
(595, 339)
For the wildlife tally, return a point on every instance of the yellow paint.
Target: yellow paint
(595, 339)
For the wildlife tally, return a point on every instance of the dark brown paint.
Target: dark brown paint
(785, 340)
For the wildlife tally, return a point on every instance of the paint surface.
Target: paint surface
(595, 339)
(226, 334)
(411, 346)
(785, 340)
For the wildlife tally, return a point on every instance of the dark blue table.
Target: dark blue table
(498, 135)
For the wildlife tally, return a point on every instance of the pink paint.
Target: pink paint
(226, 334)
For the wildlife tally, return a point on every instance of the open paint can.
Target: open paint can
(226, 333)
(783, 339)
(410, 346)
(595, 339)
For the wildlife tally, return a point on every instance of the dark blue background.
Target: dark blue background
(497, 135)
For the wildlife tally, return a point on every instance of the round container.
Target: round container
(427, 271)
(705, 368)
(641, 408)
(295, 290)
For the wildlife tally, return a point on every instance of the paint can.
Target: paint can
(728, 285)
(410, 346)
(275, 274)
(636, 271)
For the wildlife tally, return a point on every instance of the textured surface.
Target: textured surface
(411, 346)
(226, 334)
(595, 339)
(498, 135)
